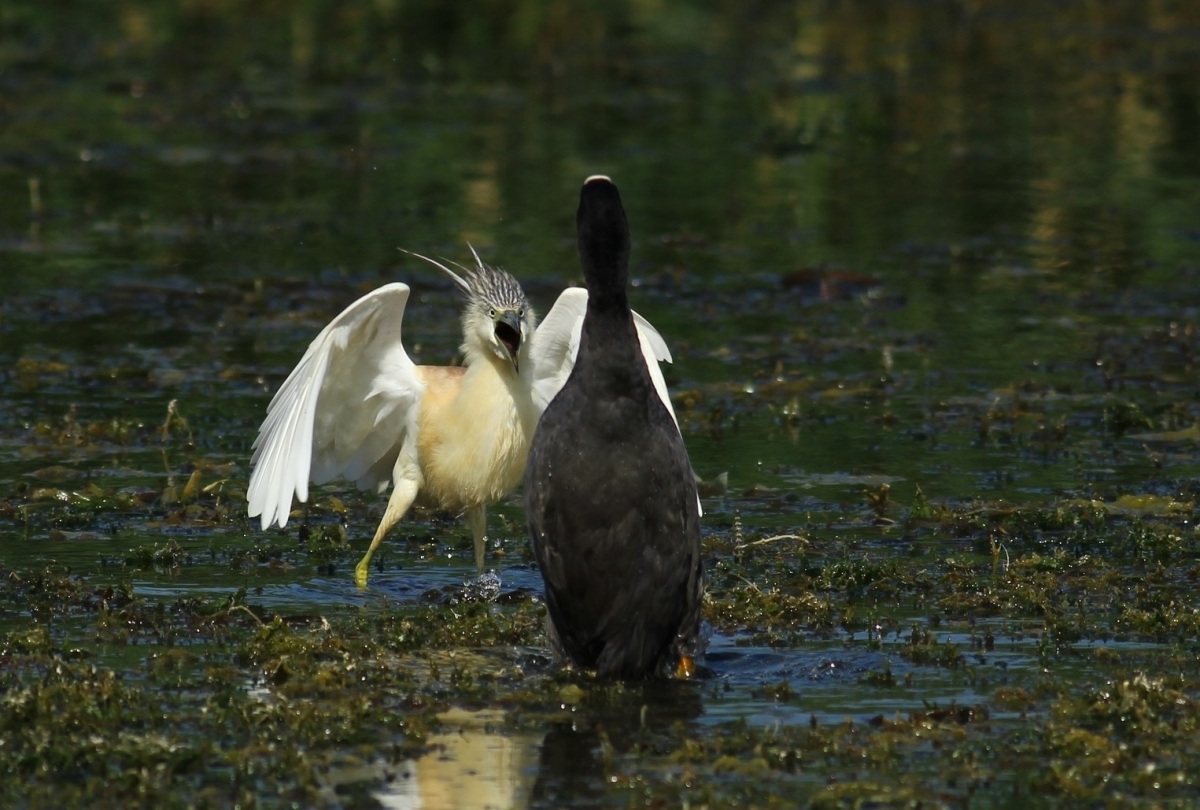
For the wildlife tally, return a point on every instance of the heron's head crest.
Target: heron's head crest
(493, 287)
(497, 316)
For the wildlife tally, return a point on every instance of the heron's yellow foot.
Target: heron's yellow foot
(360, 572)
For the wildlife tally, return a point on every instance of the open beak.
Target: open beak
(508, 332)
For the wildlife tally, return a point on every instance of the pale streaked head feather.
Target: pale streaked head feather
(483, 284)
(488, 290)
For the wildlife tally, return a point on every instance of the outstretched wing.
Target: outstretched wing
(343, 412)
(557, 342)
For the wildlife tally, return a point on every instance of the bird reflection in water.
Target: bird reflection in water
(478, 761)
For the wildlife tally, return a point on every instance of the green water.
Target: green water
(951, 248)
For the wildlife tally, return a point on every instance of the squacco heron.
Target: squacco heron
(453, 437)
(610, 496)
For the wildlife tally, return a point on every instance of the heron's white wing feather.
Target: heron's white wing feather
(344, 411)
(557, 343)
(655, 351)
(653, 345)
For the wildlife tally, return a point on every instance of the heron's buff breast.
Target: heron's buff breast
(475, 427)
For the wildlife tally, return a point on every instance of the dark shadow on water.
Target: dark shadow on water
(570, 766)
(578, 758)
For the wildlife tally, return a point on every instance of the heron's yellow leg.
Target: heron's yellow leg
(477, 520)
(403, 495)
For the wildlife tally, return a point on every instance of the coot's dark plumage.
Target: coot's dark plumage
(609, 491)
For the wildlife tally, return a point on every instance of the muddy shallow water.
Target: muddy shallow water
(931, 279)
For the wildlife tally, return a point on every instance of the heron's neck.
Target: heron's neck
(487, 371)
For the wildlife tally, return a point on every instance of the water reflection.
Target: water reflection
(485, 759)
(472, 763)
